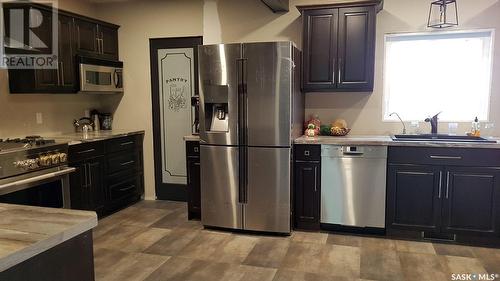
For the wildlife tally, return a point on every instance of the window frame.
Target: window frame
(492, 31)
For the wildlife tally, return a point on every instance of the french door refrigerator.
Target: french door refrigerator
(251, 110)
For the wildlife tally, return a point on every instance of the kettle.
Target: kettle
(83, 124)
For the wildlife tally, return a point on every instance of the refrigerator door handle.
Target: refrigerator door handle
(242, 128)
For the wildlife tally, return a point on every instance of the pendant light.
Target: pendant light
(443, 14)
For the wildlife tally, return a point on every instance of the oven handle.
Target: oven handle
(65, 171)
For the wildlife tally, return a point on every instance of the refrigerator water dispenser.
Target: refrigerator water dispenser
(216, 108)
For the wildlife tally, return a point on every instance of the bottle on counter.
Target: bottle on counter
(476, 128)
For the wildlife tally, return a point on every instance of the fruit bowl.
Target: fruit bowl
(339, 132)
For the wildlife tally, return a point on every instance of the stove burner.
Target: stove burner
(29, 140)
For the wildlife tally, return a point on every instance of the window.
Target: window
(427, 73)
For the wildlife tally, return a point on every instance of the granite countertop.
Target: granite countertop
(77, 138)
(27, 231)
(192, 138)
(387, 141)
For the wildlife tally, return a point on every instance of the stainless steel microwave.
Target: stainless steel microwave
(100, 76)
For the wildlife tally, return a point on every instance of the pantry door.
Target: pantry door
(174, 80)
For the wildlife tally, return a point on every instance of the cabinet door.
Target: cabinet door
(194, 191)
(96, 184)
(307, 195)
(320, 49)
(471, 198)
(66, 54)
(86, 37)
(356, 48)
(109, 42)
(79, 194)
(414, 197)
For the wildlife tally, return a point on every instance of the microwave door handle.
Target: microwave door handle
(115, 77)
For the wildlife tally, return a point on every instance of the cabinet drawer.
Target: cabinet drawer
(123, 161)
(477, 157)
(83, 151)
(307, 152)
(193, 149)
(125, 188)
(124, 143)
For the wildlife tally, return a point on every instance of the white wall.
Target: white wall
(140, 21)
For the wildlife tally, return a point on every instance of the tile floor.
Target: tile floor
(154, 241)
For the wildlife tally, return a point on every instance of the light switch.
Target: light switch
(39, 118)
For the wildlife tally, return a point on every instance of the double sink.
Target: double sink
(441, 138)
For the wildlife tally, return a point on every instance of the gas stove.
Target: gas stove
(28, 165)
(33, 153)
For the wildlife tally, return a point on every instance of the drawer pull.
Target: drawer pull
(86, 151)
(196, 149)
(126, 143)
(197, 164)
(307, 153)
(446, 157)
(127, 163)
(127, 188)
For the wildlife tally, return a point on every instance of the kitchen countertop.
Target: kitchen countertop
(387, 141)
(27, 231)
(77, 138)
(192, 138)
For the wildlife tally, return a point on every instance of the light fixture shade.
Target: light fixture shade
(443, 14)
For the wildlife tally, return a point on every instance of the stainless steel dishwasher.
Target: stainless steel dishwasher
(353, 185)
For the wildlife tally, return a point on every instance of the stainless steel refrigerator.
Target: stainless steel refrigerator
(251, 110)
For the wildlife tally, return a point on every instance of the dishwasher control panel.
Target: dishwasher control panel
(353, 151)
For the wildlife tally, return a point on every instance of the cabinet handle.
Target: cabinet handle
(102, 43)
(333, 71)
(315, 179)
(62, 73)
(86, 151)
(307, 153)
(447, 185)
(127, 163)
(85, 173)
(340, 71)
(197, 164)
(440, 183)
(58, 75)
(90, 176)
(445, 157)
(126, 143)
(127, 188)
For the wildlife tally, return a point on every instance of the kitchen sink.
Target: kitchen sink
(441, 138)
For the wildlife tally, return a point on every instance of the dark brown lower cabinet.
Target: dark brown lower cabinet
(441, 193)
(471, 201)
(413, 200)
(307, 195)
(109, 174)
(87, 189)
(193, 179)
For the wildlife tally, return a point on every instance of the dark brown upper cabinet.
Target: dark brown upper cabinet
(96, 39)
(77, 35)
(339, 46)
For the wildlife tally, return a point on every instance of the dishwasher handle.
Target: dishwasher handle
(352, 151)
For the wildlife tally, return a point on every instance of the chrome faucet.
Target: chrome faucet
(434, 123)
(399, 117)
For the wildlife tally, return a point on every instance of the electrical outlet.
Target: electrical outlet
(39, 118)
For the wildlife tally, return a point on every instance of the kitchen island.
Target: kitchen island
(46, 244)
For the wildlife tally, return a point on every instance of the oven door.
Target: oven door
(100, 79)
(42, 189)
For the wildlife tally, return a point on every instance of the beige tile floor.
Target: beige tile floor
(154, 241)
